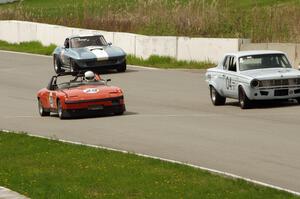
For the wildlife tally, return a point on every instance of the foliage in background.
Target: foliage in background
(261, 20)
(153, 61)
(41, 168)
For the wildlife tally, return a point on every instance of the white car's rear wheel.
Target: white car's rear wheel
(216, 98)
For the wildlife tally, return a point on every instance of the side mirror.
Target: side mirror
(109, 43)
(66, 44)
(107, 80)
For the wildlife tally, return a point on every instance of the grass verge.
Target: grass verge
(28, 47)
(167, 62)
(154, 61)
(41, 168)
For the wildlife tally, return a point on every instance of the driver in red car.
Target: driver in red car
(90, 76)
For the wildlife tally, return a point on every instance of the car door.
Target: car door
(231, 77)
(223, 76)
(51, 94)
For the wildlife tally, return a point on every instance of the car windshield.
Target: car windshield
(80, 42)
(62, 83)
(252, 62)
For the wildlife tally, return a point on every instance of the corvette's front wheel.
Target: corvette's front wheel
(122, 67)
(57, 65)
(42, 111)
(61, 112)
(216, 98)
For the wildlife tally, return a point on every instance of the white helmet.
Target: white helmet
(89, 76)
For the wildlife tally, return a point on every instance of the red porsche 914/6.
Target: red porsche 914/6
(75, 94)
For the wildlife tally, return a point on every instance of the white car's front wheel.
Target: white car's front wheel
(244, 101)
(216, 98)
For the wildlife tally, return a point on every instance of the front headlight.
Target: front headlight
(254, 83)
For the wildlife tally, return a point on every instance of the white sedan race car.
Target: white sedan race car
(253, 75)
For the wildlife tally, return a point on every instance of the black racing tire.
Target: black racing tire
(57, 66)
(122, 67)
(244, 101)
(61, 112)
(42, 111)
(121, 112)
(298, 100)
(216, 98)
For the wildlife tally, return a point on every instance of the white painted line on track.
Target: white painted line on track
(23, 53)
(171, 161)
(19, 116)
(177, 115)
(9, 194)
(144, 67)
(49, 56)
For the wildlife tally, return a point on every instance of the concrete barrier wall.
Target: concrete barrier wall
(6, 1)
(181, 48)
(292, 50)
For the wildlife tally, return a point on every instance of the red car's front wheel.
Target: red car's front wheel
(42, 111)
(61, 112)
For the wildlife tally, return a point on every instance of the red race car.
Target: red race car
(75, 93)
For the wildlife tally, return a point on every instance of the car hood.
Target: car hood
(87, 92)
(272, 73)
(99, 52)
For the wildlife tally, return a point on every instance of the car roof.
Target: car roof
(84, 35)
(254, 52)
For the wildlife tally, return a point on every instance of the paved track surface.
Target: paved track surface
(169, 114)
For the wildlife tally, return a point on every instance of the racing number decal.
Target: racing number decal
(228, 83)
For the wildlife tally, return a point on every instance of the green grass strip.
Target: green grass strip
(42, 168)
(168, 62)
(28, 47)
(153, 61)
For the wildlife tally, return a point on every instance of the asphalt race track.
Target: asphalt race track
(169, 114)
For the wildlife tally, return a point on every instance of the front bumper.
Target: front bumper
(111, 63)
(114, 109)
(275, 93)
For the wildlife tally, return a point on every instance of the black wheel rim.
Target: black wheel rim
(242, 102)
(213, 94)
(59, 110)
(40, 108)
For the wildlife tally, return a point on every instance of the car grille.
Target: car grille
(100, 63)
(279, 82)
(282, 92)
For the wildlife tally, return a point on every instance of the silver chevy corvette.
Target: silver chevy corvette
(88, 52)
(253, 75)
